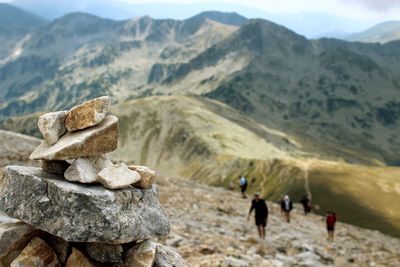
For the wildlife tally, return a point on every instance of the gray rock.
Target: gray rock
(54, 166)
(52, 126)
(88, 114)
(81, 213)
(167, 257)
(95, 141)
(117, 176)
(85, 170)
(103, 252)
(13, 239)
(141, 255)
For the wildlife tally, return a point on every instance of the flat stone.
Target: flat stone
(87, 114)
(141, 255)
(147, 176)
(52, 126)
(13, 239)
(118, 176)
(95, 141)
(167, 257)
(79, 212)
(103, 252)
(37, 254)
(85, 170)
(78, 259)
(54, 166)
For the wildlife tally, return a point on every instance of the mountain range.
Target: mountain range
(381, 33)
(218, 95)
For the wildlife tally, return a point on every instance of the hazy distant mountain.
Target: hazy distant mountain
(15, 23)
(381, 33)
(310, 24)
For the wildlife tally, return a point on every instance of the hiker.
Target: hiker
(243, 185)
(261, 214)
(286, 207)
(306, 202)
(331, 219)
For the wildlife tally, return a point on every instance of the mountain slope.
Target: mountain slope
(15, 23)
(381, 33)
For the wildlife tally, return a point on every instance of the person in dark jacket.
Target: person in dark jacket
(286, 207)
(331, 219)
(306, 202)
(261, 214)
(243, 186)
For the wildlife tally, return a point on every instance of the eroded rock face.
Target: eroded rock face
(37, 254)
(13, 239)
(102, 252)
(147, 176)
(78, 259)
(141, 255)
(85, 170)
(118, 176)
(95, 141)
(89, 213)
(52, 126)
(87, 114)
(166, 257)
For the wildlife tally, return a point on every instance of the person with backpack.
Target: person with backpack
(331, 219)
(306, 202)
(261, 214)
(243, 185)
(286, 207)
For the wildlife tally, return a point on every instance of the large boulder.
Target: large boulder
(87, 114)
(52, 126)
(78, 212)
(85, 170)
(95, 141)
(118, 176)
(37, 254)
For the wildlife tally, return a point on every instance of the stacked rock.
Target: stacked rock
(80, 209)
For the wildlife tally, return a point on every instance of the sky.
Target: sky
(355, 9)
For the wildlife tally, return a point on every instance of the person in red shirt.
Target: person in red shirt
(331, 219)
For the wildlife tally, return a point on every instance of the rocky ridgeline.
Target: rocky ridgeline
(80, 209)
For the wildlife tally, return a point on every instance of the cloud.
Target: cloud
(377, 5)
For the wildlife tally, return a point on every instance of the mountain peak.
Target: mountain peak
(12, 16)
(229, 18)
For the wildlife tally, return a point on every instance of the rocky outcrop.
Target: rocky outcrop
(88, 114)
(79, 199)
(81, 213)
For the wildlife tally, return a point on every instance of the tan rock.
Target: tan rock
(87, 114)
(78, 259)
(95, 141)
(147, 176)
(37, 254)
(85, 170)
(13, 239)
(141, 255)
(52, 126)
(118, 176)
(54, 166)
(60, 247)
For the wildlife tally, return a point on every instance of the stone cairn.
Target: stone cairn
(80, 209)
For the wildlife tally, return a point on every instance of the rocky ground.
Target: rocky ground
(209, 228)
